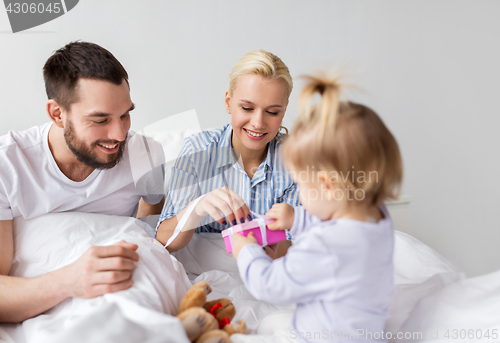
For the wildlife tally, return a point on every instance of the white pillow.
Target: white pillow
(418, 272)
(170, 132)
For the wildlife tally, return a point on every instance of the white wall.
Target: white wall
(429, 68)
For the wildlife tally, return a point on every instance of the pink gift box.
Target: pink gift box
(254, 226)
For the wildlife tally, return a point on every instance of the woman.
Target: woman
(237, 168)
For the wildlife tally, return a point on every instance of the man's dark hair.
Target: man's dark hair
(78, 60)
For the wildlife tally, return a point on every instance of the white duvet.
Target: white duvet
(139, 314)
(431, 294)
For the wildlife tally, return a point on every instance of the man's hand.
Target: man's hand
(283, 213)
(102, 269)
(98, 271)
(240, 241)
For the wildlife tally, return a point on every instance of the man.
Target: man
(78, 162)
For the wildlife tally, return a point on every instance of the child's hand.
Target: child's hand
(240, 241)
(283, 213)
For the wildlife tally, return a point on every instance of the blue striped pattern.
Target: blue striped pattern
(206, 162)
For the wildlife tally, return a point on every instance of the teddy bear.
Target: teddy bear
(208, 322)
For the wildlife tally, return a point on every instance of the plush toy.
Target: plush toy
(208, 322)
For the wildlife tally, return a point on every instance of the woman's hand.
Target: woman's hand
(240, 241)
(283, 213)
(226, 202)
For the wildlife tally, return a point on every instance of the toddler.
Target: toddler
(339, 270)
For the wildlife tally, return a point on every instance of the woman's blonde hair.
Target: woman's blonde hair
(267, 65)
(345, 139)
(263, 63)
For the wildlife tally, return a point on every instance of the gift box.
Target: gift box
(259, 228)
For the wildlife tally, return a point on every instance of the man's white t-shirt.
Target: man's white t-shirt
(31, 183)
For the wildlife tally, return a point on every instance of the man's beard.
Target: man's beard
(88, 157)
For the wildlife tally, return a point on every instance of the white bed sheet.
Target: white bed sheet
(464, 311)
(207, 252)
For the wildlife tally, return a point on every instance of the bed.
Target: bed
(432, 296)
(433, 301)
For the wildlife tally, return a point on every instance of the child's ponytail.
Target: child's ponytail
(345, 139)
(324, 114)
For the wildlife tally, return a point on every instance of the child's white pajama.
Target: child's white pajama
(338, 272)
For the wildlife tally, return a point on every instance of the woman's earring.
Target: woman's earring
(282, 133)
